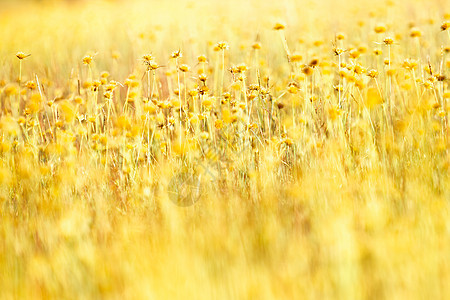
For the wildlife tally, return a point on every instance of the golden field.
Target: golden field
(224, 149)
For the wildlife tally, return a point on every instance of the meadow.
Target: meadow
(225, 149)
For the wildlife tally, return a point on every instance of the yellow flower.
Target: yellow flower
(21, 55)
(445, 25)
(184, 68)
(87, 60)
(279, 26)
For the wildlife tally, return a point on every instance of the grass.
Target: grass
(224, 150)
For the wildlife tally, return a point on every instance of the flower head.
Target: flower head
(21, 55)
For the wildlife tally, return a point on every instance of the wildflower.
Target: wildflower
(362, 49)
(279, 26)
(31, 85)
(354, 53)
(415, 32)
(176, 54)
(96, 84)
(87, 84)
(10, 90)
(391, 71)
(175, 103)
(358, 69)
(150, 108)
(147, 57)
(334, 112)
(152, 65)
(307, 70)
(388, 41)
(207, 102)
(193, 92)
(227, 96)
(21, 55)
(446, 94)
(445, 25)
(256, 45)
(318, 43)
(184, 68)
(338, 51)
(288, 141)
(314, 62)
(439, 77)
(377, 52)
(295, 57)
(218, 124)
(380, 28)
(202, 77)
(292, 88)
(340, 36)
(87, 60)
(222, 45)
(108, 95)
(204, 135)
(115, 55)
(201, 58)
(193, 119)
(9, 125)
(241, 68)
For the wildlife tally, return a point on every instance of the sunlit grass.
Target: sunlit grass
(224, 150)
